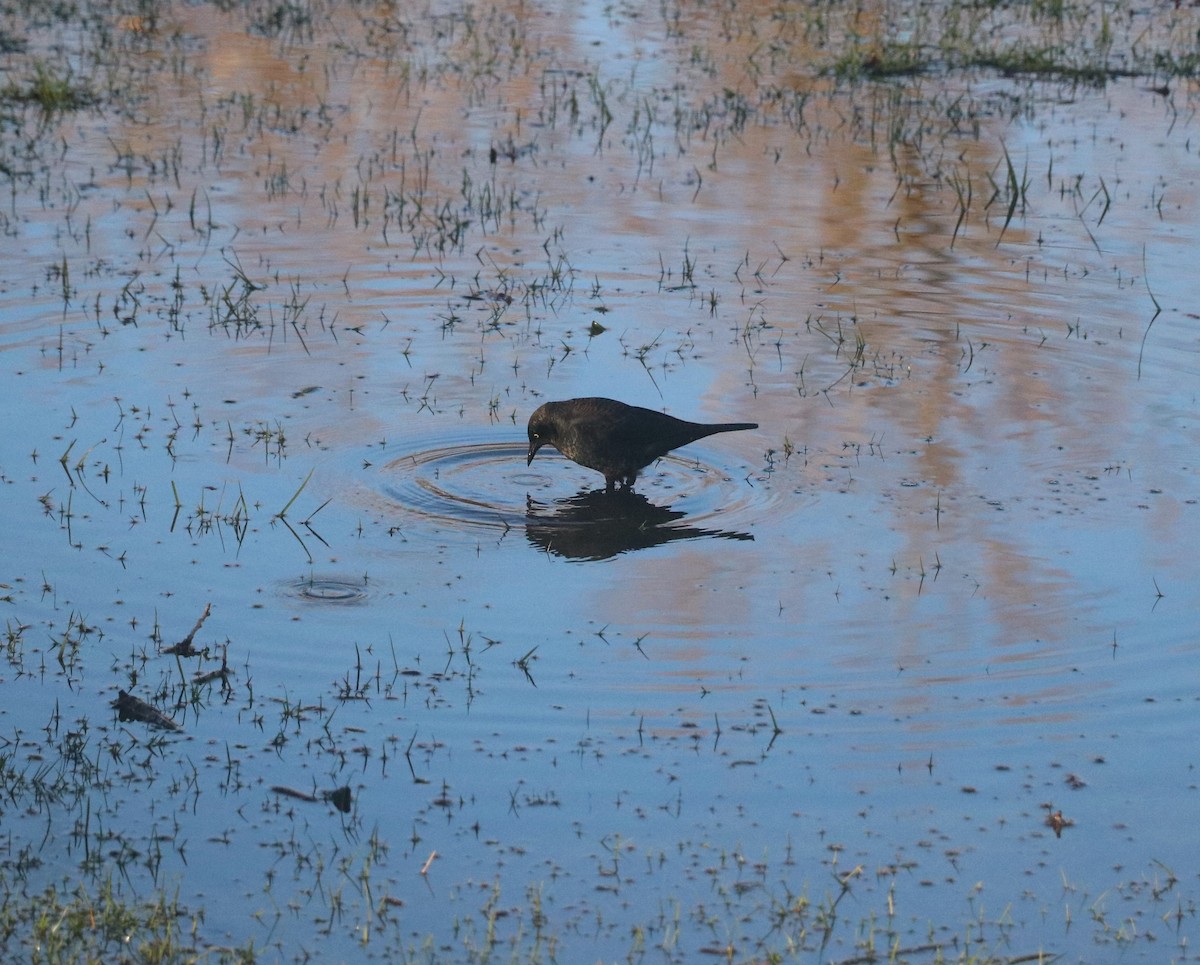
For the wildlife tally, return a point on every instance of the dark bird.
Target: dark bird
(613, 438)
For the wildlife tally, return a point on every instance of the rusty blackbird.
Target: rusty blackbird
(613, 438)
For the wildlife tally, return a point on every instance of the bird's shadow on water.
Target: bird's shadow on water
(598, 525)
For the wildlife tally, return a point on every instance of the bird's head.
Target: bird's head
(541, 431)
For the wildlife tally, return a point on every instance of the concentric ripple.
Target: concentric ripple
(489, 485)
(481, 484)
(330, 591)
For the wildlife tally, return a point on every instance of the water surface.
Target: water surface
(274, 310)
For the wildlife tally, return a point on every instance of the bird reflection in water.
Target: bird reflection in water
(598, 525)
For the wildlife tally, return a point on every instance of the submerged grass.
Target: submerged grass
(746, 921)
(1069, 41)
(53, 90)
(79, 926)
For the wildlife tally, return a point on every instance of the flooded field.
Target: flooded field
(303, 661)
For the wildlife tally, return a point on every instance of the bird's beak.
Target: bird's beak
(533, 448)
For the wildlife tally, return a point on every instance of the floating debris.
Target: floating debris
(132, 708)
(222, 674)
(184, 647)
(1056, 821)
(339, 797)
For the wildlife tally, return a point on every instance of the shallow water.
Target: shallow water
(843, 665)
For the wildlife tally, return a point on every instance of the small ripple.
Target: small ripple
(329, 591)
